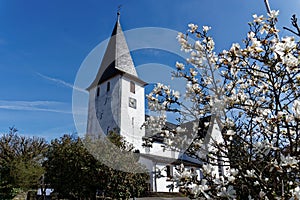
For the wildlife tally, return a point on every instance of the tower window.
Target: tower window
(220, 164)
(132, 87)
(169, 170)
(98, 91)
(108, 86)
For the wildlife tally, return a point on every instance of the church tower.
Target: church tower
(116, 96)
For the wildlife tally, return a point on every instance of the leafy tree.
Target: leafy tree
(70, 170)
(121, 184)
(20, 163)
(73, 172)
(252, 90)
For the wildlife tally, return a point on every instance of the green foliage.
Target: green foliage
(73, 172)
(27, 173)
(70, 169)
(20, 163)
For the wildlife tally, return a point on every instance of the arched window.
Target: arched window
(98, 91)
(108, 86)
(132, 87)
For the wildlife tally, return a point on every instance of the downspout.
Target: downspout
(155, 183)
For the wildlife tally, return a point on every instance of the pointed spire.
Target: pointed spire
(117, 58)
(119, 13)
(118, 16)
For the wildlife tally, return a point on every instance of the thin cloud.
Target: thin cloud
(61, 82)
(45, 106)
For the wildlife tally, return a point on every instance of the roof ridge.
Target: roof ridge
(117, 58)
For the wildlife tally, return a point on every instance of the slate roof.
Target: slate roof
(188, 126)
(174, 161)
(159, 138)
(117, 58)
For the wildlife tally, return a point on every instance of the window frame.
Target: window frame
(108, 86)
(132, 87)
(98, 92)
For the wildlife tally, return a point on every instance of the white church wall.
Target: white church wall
(163, 183)
(92, 127)
(108, 105)
(160, 182)
(149, 166)
(104, 109)
(158, 150)
(132, 118)
(216, 133)
(219, 169)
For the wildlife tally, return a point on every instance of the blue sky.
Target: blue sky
(43, 43)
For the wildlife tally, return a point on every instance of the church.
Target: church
(117, 103)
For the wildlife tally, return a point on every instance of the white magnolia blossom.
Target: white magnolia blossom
(208, 169)
(193, 28)
(295, 193)
(289, 161)
(256, 46)
(198, 45)
(183, 42)
(258, 85)
(179, 66)
(176, 94)
(229, 192)
(230, 132)
(210, 43)
(296, 109)
(262, 194)
(273, 14)
(206, 28)
(286, 46)
(202, 188)
(258, 19)
(250, 173)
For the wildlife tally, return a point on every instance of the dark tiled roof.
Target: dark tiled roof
(173, 161)
(117, 58)
(110, 72)
(158, 137)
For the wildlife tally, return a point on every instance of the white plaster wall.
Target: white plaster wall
(132, 130)
(158, 150)
(216, 136)
(149, 166)
(104, 110)
(93, 126)
(110, 110)
(162, 183)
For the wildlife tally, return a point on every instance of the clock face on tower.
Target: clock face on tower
(132, 102)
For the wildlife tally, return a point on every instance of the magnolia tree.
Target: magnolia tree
(252, 91)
